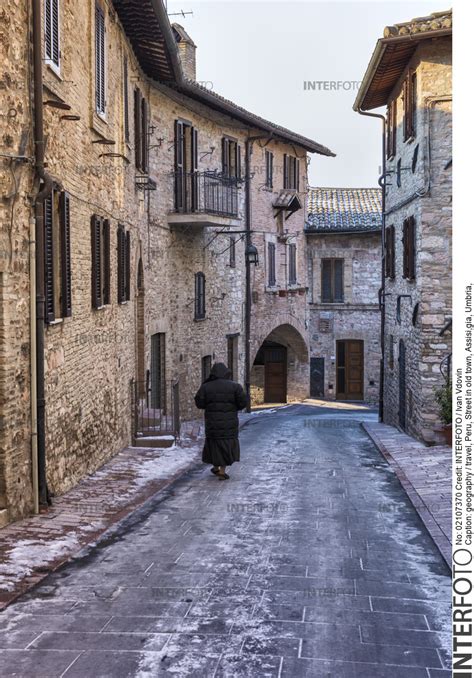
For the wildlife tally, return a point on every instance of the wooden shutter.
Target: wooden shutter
(388, 132)
(48, 30)
(96, 227)
(48, 207)
(126, 122)
(411, 253)
(394, 127)
(51, 31)
(66, 264)
(292, 264)
(179, 185)
(239, 161)
(232, 252)
(297, 174)
(144, 135)
(338, 272)
(106, 264)
(120, 265)
(413, 87)
(100, 59)
(225, 157)
(127, 266)
(392, 252)
(285, 171)
(138, 128)
(200, 296)
(326, 278)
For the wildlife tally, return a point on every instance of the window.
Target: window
(233, 356)
(200, 296)
(390, 252)
(126, 120)
(392, 129)
(292, 264)
(186, 189)
(268, 169)
(99, 60)
(271, 265)
(332, 281)
(391, 352)
(51, 32)
(409, 102)
(232, 252)
(291, 172)
(57, 236)
(140, 108)
(409, 248)
(100, 241)
(123, 265)
(231, 158)
(206, 364)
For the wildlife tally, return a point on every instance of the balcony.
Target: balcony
(205, 199)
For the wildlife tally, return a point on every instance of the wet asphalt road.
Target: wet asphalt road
(309, 562)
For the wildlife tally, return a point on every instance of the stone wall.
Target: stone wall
(358, 317)
(431, 291)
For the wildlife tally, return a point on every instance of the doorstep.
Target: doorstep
(426, 476)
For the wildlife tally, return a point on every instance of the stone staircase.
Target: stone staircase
(153, 440)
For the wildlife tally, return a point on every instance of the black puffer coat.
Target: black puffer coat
(221, 399)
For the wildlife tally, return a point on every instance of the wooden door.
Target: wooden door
(350, 370)
(157, 372)
(275, 375)
(317, 378)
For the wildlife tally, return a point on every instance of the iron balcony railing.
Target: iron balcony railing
(155, 410)
(208, 192)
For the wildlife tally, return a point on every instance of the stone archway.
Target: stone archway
(280, 366)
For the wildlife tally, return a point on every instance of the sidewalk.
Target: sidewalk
(426, 475)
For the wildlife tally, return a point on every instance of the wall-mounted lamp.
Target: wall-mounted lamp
(251, 254)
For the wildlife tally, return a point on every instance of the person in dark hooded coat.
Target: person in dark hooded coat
(221, 399)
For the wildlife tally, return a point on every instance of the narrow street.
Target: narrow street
(309, 562)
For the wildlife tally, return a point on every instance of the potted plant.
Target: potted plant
(444, 397)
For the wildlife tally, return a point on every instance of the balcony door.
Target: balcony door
(186, 164)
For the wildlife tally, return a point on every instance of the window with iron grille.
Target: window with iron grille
(57, 256)
(100, 242)
(100, 100)
(332, 281)
(231, 158)
(392, 129)
(409, 103)
(268, 169)
(140, 115)
(291, 172)
(271, 264)
(232, 252)
(200, 296)
(292, 264)
(126, 118)
(390, 252)
(409, 248)
(51, 32)
(123, 265)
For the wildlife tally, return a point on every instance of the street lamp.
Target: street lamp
(251, 254)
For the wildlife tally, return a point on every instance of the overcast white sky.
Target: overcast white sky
(259, 54)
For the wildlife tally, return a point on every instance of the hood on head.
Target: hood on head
(220, 371)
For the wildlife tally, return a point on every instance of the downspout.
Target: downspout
(381, 183)
(248, 289)
(45, 187)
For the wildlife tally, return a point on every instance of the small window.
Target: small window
(332, 273)
(233, 356)
(206, 364)
(57, 236)
(391, 140)
(123, 265)
(231, 159)
(409, 248)
(271, 265)
(126, 119)
(140, 108)
(391, 352)
(100, 101)
(51, 32)
(409, 103)
(292, 265)
(232, 252)
(200, 296)
(100, 241)
(390, 252)
(291, 172)
(268, 169)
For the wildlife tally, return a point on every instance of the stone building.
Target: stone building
(140, 211)
(410, 72)
(343, 233)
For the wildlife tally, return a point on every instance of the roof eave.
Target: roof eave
(335, 231)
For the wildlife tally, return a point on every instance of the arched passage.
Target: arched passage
(280, 368)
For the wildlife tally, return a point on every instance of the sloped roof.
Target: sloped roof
(392, 54)
(344, 210)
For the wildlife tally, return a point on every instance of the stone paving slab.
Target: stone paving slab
(426, 475)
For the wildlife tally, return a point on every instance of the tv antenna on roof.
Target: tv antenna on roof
(180, 13)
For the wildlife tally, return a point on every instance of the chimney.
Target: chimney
(187, 52)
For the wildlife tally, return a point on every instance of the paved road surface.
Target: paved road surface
(309, 562)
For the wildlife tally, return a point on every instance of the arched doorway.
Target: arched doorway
(280, 370)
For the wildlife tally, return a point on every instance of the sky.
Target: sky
(260, 54)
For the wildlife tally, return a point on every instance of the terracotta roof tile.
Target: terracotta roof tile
(344, 210)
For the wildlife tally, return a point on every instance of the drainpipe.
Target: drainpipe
(248, 289)
(46, 185)
(381, 183)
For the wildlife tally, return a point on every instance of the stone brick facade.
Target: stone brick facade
(418, 185)
(92, 357)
